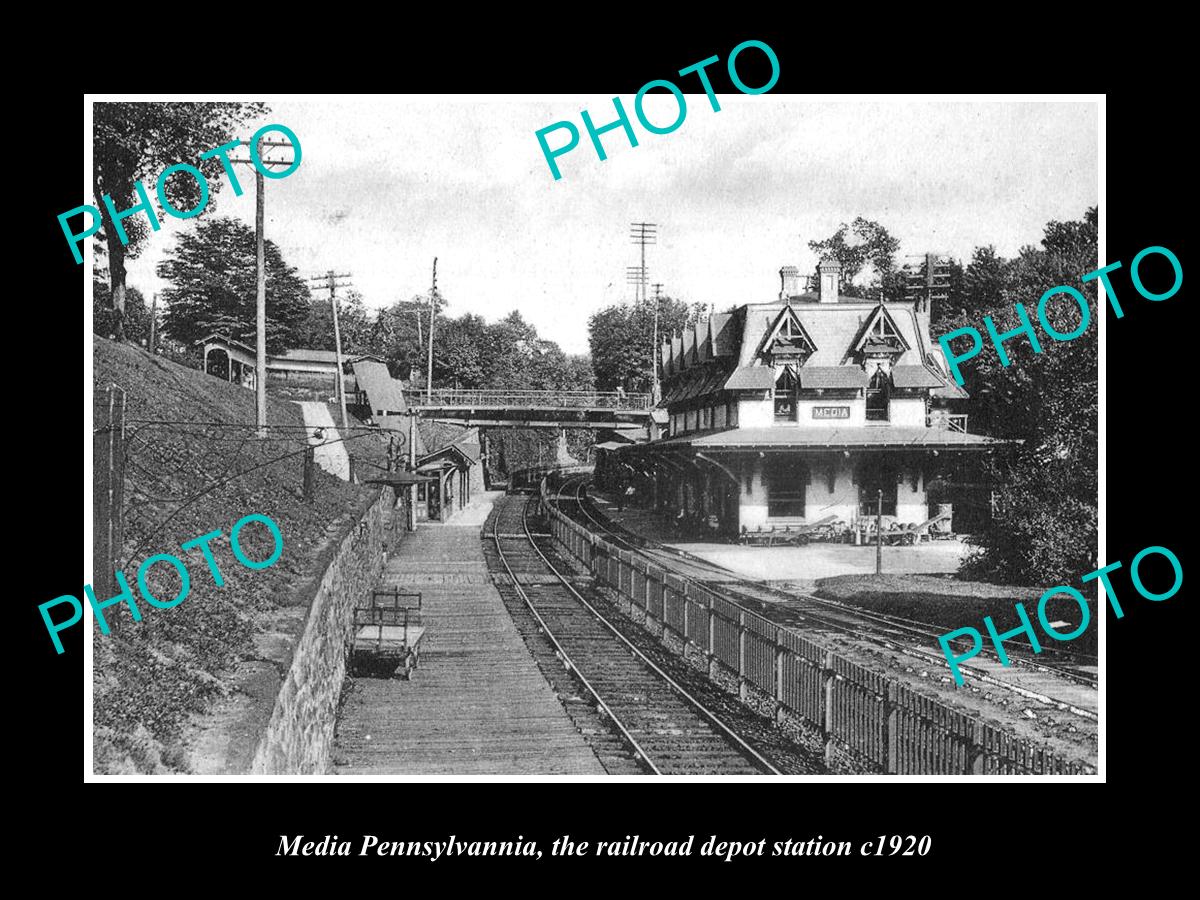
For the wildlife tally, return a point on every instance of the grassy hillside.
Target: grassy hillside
(202, 471)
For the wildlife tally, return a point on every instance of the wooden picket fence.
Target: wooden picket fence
(883, 721)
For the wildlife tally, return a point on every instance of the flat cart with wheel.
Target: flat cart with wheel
(387, 635)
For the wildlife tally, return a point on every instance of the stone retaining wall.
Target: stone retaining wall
(298, 740)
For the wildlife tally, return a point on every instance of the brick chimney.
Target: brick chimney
(789, 282)
(830, 272)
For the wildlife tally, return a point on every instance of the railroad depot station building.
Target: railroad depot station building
(794, 411)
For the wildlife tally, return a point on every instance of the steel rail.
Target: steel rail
(638, 749)
(915, 628)
(705, 711)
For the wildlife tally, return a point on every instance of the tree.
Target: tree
(398, 335)
(104, 318)
(1044, 531)
(213, 277)
(871, 244)
(354, 322)
(459, 349)
(134, 142)
(984, 280)
(621, 337)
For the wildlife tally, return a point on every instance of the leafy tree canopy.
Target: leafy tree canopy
(621, 339)
(213, 279)
(1045, 528)
(134, 142)
(856, 245)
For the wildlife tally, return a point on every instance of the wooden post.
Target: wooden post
(779, 655)
(308, 473)
(412, 467)
(742, 655)
(892, 728)
(712, 621)
(686, 604)
(976, 755)
(432, 317)
(337, 345)
(827, 711)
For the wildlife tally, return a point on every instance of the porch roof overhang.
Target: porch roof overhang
(399, 478)
(871, 437)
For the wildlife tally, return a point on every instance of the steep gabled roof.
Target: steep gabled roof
(789, 329)
(703, 344)
(689, 347)
(833, 327)
(722, 332)
(879, 330)
(677, 353)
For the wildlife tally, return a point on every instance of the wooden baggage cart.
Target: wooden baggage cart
(387, 635)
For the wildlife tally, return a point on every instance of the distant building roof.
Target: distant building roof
(223, 339)
(304, 355)
(382, 390)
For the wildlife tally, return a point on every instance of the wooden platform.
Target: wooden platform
(478, 705)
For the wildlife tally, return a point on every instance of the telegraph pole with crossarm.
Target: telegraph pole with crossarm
(260, 369)
(331, 284)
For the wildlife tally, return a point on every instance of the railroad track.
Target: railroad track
(642, 709)
(803, 609)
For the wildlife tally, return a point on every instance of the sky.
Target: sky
(386, 184)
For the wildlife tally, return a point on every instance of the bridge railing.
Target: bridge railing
(867, 719)
(538, 399)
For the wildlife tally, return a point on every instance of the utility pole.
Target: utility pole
(928, 283)
(412, 467)
(636, 275)
(260, 369)
(260, 307)
(432, 316)
(654, 346)
(330, 280)
(643, 233)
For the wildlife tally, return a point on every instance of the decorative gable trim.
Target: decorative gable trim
(787, 338)
(880, 332)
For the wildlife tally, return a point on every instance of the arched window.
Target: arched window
(785, 396)
(879, 390)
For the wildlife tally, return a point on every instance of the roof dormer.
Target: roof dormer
(880, 337)
(787, 340)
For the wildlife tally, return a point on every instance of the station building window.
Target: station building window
(785, 396)
(872, 477)
(879, 391)
(787, 481)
